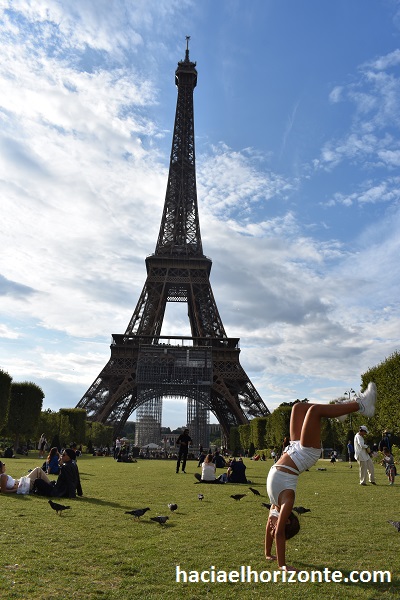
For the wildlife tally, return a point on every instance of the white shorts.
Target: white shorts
(302, 456)
(277, 481)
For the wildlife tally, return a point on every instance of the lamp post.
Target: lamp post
(350, 394)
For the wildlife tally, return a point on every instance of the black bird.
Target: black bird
(266, 505)
(161, 520)
(58, 507)
(200, 496)
(172, 507)
(301, 510)
(238, 496)
(137, 513)
(395, 524)
(321, 469)
(255, 492)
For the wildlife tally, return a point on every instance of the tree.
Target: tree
(387, 378)
(72, 425)
(244, 432)
(258, 427)
(98, 434)
(234, 441)
(49, 423)
(5, 388)
(278, 426)
(26, 400)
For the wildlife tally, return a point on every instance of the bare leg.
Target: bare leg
(37, 473)
(297, 417)
(311, 430)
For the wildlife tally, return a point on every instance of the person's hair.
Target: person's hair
(52, 452)
(293, 527)
(1, 464)
(208, 458)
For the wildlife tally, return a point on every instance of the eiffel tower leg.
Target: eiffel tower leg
(148, 422)
(197, 421)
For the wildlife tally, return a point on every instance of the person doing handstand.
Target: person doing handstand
(303, 452)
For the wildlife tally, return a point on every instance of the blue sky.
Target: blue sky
(297, 115)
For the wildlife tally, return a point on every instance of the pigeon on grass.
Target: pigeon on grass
(238, 496)
(301, 510)
(137, 512)
(395, 524)
(58, 507)
(160, 519)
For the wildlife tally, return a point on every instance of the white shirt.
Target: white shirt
(208, 471)
(360, 452)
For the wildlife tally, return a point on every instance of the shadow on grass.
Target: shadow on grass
(98, 502)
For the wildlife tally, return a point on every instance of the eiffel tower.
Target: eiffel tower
(144, 366)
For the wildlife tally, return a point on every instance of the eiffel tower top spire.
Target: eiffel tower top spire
(179, 234)
(187, 48)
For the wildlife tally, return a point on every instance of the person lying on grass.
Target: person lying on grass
(303, 452)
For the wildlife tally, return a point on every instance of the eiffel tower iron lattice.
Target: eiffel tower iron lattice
(144, 366)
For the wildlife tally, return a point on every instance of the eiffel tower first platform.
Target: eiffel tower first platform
(146, 367)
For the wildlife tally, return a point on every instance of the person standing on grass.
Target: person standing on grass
(117, 447)
(388, 463)
(303, 452)
(350, 452)
(362, 456)
(183, 440)
(42, 445)
(385, 442)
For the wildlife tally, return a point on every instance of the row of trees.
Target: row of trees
(22, 418)
(20, 407)
(269, 432)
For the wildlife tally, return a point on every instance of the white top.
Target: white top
(10, 481)
(208, 471)
(360, 452)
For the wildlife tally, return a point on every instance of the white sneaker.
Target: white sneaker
(367, 400)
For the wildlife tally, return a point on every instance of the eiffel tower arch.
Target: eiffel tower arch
(145, 366)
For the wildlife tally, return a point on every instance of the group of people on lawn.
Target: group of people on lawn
(67, 485)
(236, 471)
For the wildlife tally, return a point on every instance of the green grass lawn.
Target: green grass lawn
(96, 551)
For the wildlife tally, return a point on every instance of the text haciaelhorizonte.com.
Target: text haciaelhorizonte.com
(245, 574)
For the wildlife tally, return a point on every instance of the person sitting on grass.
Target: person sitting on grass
(52, 464)
(68, 483)
(237, 472)
(303, 452)
(208, 469)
